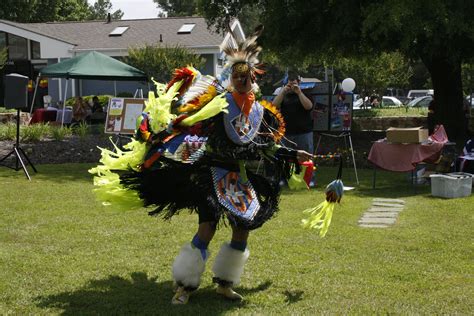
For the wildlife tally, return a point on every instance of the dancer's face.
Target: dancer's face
(241, 81)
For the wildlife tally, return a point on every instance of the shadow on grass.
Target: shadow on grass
(393, 191)
(59, 173)
(293, 296)
(139, 295)
(387, 184)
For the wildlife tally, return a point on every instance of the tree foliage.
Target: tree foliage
(468, 78)
(160, 62)
(30, 11)
(439, 32)
(178, 7)
(100, 9)
(376, 72)
(3, 57)
(249, 16)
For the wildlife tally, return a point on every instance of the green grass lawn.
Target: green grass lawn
(62, 252)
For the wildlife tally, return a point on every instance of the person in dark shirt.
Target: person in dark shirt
(296, 108)
(96, 107)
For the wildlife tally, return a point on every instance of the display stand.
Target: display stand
(18, 152)
(121, 140)
(138, 94)
(346, 135)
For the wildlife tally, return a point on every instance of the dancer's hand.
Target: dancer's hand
(303, 156)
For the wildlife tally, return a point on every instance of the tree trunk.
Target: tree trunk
(447, 84)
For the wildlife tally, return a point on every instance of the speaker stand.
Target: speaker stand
(18, 152)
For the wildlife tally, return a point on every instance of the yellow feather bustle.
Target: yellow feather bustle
(280, 132)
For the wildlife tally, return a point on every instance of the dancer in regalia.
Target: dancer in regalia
(191, 151)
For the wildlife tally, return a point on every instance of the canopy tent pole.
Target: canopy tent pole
(115, 88)
(64, 102)
(34, 93)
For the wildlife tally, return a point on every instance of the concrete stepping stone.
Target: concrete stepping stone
(374, 225)
(382, 214)
(378, 220)
(397, 201)
(387, 204)
(379, 214)
(385, 209)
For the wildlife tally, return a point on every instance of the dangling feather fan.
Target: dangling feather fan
(321, 215)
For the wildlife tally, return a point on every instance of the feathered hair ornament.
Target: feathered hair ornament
(244, 57)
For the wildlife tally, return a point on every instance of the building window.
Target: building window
(17, 47)
(118, 31)
(186, 28)
(35, 50)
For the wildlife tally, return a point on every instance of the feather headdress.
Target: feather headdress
(243, 57)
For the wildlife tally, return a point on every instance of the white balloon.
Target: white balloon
(348, 84)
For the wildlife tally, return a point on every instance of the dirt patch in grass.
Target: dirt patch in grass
(73, 149)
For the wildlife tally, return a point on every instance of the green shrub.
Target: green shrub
(82, 130)
(103, 100)
(159, 62)
(35, 132)
(4, 110)
(59, 133)
(390, 112)
(8, 131)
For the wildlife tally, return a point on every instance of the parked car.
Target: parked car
(413, 94)
(390, 101)
(421, 102)
(357, 104)
(400, 94)
(471, 100)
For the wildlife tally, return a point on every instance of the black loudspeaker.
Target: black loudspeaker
(16, 91)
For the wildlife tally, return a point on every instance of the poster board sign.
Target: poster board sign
(341, 112)
(315, 87)
(122, 114)
(320, 113)
(320, 95)
(330, 112)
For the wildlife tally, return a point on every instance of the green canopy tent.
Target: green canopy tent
(93, 66)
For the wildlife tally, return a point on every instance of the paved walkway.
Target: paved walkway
(383, 213)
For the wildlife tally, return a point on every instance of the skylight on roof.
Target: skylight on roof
(186, 28)
(118, 31)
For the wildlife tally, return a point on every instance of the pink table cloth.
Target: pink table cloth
(43, 115)
(405, 157)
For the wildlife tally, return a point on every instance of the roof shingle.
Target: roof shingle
(95, 34)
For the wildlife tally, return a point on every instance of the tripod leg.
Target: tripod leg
(353, 159)
(317, 145)
(373, 177)
(18, 157)
(27, 159)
